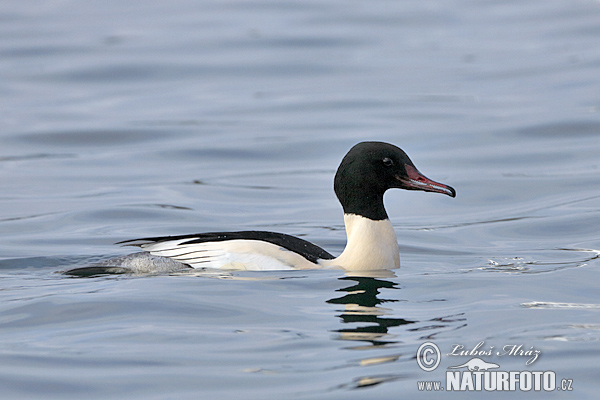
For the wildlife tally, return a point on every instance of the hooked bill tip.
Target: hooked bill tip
(418, 181)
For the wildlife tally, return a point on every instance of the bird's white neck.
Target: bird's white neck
(371, 245)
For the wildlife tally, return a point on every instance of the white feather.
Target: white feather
(251, 255)
(372, 245)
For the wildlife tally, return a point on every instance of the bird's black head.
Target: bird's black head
(371, 168)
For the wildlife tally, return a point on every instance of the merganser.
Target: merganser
(367, 171)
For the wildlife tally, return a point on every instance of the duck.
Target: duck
(364, 175)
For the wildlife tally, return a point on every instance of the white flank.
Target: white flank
(251, 255)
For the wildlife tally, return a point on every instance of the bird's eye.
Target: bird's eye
(388, 162)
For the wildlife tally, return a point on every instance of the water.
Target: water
(124, 120)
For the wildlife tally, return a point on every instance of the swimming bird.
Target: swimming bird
(366, 172)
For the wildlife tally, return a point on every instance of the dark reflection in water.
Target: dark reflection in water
(362, 307)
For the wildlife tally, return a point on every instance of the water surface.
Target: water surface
(147, 118)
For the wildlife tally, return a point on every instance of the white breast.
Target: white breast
(372, 245)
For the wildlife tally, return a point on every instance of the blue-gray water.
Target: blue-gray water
(130, 119)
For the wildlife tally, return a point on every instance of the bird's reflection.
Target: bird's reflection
(362, 307)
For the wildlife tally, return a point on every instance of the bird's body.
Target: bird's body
(365, 173)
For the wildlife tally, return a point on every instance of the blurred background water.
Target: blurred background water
(130, 119)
